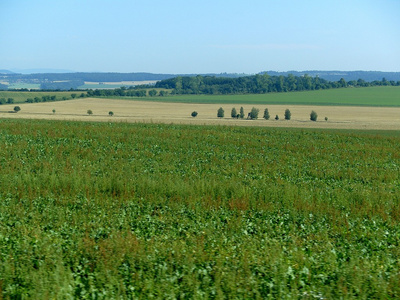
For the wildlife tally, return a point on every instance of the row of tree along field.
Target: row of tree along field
(139, 211)
(259, 84)
(253, 114)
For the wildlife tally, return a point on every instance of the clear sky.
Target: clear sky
(200, 36)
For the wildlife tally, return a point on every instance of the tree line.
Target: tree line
(259, 84)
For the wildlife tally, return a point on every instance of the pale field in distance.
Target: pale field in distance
(340, 117)
(123, 83)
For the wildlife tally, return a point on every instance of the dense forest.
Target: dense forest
(259, 84)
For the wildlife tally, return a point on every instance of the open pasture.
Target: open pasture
(340, 117)
(119, 210)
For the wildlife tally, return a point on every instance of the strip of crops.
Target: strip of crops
(95, 210)
(368, 96)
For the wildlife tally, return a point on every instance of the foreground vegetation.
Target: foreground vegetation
(95, 210)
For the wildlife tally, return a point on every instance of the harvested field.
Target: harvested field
(340, 117)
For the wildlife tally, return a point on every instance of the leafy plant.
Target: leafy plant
(288, 114)
(89, 112)
(194, 114)
(254, 113)
(266, 114)
(234, 113)
(220, 112)
(110, 113)
(313, 116)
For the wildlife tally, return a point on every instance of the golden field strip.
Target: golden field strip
(339, 117)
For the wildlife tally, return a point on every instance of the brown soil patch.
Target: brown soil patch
(178, 113)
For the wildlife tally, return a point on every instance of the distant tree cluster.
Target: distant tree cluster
(253, 114)
(52, 98)
(62, 85)
(124, 92)
(258, 84)
(6, 101)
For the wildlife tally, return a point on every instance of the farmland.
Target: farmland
(146, 110)
(120, 210)
(369, 96)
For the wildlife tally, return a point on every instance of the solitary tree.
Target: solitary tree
(288, 114)
(313, 116)
(233, 113)
(54, 111)
(194, 114)
(326, 118)
(254, 113)
(277, 117)
(266, 114)
(241, 115)
(220, 113)
(89, 112)
(110, 113)
(17, 109)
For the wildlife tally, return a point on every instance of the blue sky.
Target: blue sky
(208, 36)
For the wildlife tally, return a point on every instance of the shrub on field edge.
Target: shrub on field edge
(266, 114)
(220, 113)
(288, 114)
(241, 114)
(194, 114)
(313, 116)
(254, 113)
(234, 113)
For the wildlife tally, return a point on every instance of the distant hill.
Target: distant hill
(6, 72)
(337, 75)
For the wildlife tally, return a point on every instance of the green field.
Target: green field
(116, 210)
(20, 97)
(369, 96)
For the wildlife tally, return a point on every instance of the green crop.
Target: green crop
(116, 210)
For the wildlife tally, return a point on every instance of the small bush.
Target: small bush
(288, 114)
(254, 113)
(17, 108)
(89, 112)
(220, 113)
(110, 113)
(241, 114)
(194, 114)
(313, 116)
(266, 114)
(326, 118)
(277, 117)
(54, 111)
(234, 113)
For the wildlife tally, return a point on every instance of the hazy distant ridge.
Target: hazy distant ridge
(346, 75)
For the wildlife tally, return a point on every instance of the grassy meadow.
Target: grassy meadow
(117, 210)
(368, 96)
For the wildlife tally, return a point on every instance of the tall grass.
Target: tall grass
(113, 210)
